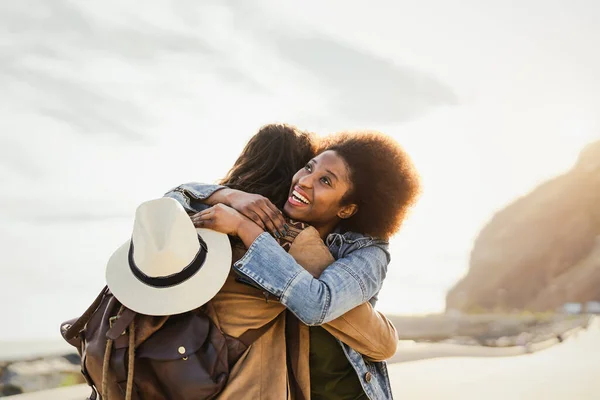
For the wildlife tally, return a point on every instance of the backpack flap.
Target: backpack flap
(181, 336)
(187, 357)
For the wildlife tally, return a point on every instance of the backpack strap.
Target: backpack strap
(252, 335)
(74, 329)
(119, 323)
(125, 319)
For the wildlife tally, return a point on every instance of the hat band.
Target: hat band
(174, 279)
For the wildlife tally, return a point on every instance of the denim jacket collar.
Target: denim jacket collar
(342, 244)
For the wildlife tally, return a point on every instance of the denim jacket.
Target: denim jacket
(354, 278)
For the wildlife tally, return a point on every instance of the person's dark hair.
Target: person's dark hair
(385, 183)
(270, 160)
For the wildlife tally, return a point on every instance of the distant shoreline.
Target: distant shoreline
(433, 328)
(492, 330)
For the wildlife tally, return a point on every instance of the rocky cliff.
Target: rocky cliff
(542, 250)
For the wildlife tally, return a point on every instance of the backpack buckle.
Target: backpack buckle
(111, 322)
(119, 324)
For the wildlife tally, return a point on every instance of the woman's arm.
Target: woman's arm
(240, 307)
(362, 328)
(365, 330)
(193, 196)
(197, 197)
(345, 284)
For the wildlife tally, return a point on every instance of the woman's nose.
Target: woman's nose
(305, 181)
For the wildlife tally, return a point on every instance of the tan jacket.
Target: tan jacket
(262, 372)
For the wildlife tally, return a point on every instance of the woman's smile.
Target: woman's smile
(298, 198)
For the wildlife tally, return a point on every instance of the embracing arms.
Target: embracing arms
(348, 282)
(362, 328)
(240, 306)
(345, 284)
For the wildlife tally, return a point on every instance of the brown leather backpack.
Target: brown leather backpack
(125, 355)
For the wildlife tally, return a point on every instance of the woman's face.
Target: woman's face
(317, 190)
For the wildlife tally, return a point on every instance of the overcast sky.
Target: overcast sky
(105, 105)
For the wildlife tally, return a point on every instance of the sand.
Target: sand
(570, 370)
(567, 371)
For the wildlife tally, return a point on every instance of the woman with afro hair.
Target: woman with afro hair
(356, 193)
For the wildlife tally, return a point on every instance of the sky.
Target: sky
(105, 105)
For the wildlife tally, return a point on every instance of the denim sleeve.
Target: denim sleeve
(191, 195)
(345, 284)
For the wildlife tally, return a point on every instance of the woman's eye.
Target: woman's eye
(326, 181)
(308, 167)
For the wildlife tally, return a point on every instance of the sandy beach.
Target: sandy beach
(564, 371)
(569, 370)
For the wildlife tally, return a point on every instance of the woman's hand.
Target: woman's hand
(220, 218)
(258, 208)
(224, 219)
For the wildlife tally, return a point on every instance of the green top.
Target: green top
(331, 375)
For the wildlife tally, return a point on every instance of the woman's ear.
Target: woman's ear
(347, 211)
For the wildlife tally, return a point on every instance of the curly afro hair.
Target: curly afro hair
(385, 183)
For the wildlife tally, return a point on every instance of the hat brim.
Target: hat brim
(191, 294)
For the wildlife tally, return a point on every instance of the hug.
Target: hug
(305, 223)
